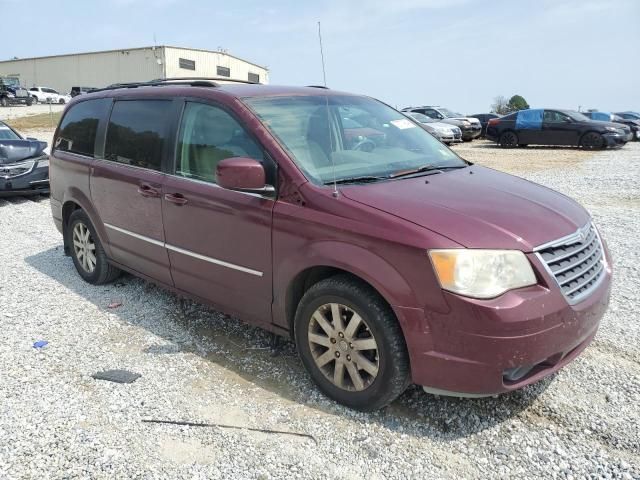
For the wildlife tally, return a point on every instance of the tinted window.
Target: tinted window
(207, 135)
(554, 117)
(78, 128)
(223, 71)
(254, 77)
(136, 134)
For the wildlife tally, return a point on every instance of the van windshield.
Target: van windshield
(349, 136)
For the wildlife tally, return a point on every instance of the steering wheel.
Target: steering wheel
(365, 145)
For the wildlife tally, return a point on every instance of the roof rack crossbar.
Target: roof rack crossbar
(318, 86)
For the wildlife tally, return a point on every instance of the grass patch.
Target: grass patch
(41, 121)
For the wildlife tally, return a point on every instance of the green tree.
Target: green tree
(517, 103)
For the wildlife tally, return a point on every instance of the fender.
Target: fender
(351, 258)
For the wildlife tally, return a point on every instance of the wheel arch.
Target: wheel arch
(334, 258)
(76, 200)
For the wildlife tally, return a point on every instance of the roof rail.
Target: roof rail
(186, 81)
(318, 86)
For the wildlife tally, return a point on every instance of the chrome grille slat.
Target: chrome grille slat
(591, 277)
(564, 281)
(576, 262)
(559, 268)
(581, 247)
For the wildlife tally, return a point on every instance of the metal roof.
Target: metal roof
(132, 49)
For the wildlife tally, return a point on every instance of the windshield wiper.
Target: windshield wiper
(363, 179)
(426, 168)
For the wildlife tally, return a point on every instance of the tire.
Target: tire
(508, 139)
(61, 101)
(592, 141)
(29, 102)
(383, 366)
(102, 271)
(4, 102)
(35, 99)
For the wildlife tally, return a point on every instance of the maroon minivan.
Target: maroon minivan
(386, 257)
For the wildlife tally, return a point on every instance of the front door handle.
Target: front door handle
(147, 190)
(176, 198)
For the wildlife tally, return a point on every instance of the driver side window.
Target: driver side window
(554, 117)
(208, 135)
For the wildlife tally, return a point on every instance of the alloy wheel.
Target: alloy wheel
(508, 139)
(84, 247)
(592, 141)
(343, 347)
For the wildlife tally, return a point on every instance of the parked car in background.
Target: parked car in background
(445, 132)
(48, 95)
(554, 127)
(629, 115)
(247, 197)
(24, 166)
(484, 120)
(11, 93)
(75, 91)
(633, 125)
(470, 127)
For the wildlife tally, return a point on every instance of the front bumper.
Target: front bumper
(33, 182)
(615, 139)
(471, 132)
(472, 349)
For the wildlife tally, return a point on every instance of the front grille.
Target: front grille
(577, 262)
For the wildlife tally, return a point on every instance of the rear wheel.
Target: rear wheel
(61, 101)
(592, 141)
(88, 255)
(508, 140)
(4, 102)
(29, 101)
(351, 344)
(35, 99)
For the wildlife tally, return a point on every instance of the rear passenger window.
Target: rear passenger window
(78, 128)
(137, 132)
(207, 135)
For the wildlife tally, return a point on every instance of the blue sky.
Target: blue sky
(456, 53)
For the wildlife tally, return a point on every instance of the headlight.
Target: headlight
(611, 129)
(481, 273)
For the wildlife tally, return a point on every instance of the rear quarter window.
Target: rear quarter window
(77, 132)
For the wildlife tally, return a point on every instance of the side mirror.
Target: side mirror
(567, 120)
(243, 174)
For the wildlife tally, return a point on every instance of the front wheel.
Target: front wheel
(34, 99)
(4, 102)
(88, 255)
(351, 344)
(592, 141)
(61, 101)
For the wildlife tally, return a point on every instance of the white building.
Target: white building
(99, 69)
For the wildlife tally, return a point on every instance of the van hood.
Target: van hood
(477, 207)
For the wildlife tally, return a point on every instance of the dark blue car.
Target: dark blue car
(555, 127)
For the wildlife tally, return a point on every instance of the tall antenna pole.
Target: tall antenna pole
(324, 74)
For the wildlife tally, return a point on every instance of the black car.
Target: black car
(75, 91)
(24, 166)
(484, 120)
(634, 125)
(554, 127)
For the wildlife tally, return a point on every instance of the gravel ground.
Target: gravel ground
(198, 365)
